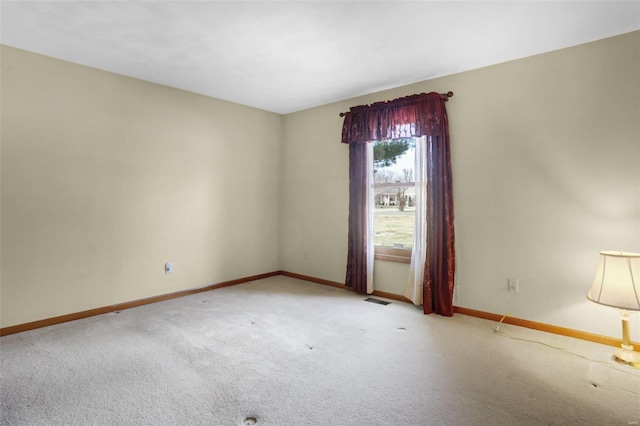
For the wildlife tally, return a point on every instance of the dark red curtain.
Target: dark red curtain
(412, 116)
(439, 270)
(357, 243)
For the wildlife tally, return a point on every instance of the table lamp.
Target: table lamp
(617, 284)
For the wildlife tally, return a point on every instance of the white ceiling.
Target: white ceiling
(291, 55)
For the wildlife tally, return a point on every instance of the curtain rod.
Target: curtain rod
(446, 97)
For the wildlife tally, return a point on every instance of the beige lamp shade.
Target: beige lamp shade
(617, 280)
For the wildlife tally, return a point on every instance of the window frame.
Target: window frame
(391, 254)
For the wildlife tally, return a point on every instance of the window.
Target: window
(394, 199)
(423, 114)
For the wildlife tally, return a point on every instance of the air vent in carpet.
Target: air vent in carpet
(379, 302)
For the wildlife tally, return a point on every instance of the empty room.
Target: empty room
(319, 213)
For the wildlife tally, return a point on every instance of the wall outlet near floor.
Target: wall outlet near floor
(168, 267)
(512, 285)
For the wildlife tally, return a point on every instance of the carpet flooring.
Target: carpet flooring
(281, 351)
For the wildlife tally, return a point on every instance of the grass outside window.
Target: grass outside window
(394, 233)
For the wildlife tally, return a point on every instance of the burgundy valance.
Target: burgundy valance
(410, 116)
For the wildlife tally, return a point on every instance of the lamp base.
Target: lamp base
(626, 355)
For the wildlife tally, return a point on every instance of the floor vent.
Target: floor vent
(379, 302)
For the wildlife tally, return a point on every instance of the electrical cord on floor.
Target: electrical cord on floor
(502, 333)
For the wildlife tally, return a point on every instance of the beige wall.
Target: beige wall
(546, 168)
(105, 178)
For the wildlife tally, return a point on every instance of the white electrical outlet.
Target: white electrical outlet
(512, 285)
(168, 267)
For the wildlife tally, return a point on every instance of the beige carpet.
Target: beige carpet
(286, 352)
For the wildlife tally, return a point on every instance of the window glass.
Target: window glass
(394, 186)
